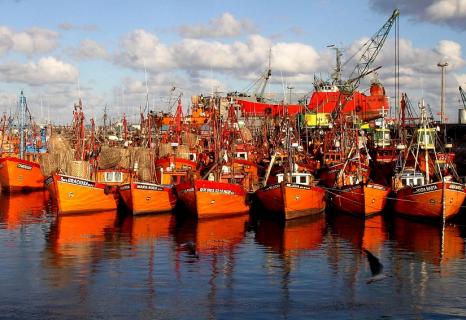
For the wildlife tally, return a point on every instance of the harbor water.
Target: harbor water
(113, 266)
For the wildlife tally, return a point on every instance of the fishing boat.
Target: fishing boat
(145, 192)
(290, 192)
(353, 192)
(210, 199)
(361, 199)
(293, 199)
(431, 190)
(19, 171)
(77, 190)
(221, 191)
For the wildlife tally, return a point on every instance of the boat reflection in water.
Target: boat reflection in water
(147, 228)
(22, 208)
(210, 236)
(369, 234)
(77, 239)
(430, 243)
(292, 237)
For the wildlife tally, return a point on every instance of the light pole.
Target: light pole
(442, 92)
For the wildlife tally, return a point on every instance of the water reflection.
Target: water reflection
(362, 233)
(104, 265)
(430, 243)
(147, 228)
(292, 237)
(79, 238)
(17, 209)
(212, 236)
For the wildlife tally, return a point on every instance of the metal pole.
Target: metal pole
(442, 92)
(22, 120)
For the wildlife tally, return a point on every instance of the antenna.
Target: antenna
(147, 88)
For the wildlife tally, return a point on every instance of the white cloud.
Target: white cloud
(88, 50)
(141, 49)
(448, 12)
(31, 41)
(224, 26)
(446, 9)
(47, 70)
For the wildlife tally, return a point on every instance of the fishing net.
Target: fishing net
(58, 158)
(80, 169)
(113, 158)
(246, 134)
(190, 139)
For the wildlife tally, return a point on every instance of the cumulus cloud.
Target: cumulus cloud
(88, 50)
(224, 26)
(448, 12)
(30, 41)
(141, 49)
(47, 70)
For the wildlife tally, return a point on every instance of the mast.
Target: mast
(22, 123)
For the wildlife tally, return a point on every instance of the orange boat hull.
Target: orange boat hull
(363, 200)
(20, 175)
(75, 195)
(290, 200)
(141, 198)
(440, 200)
(210, 199)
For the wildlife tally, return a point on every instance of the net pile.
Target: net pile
(59, 157)
(113, 158)
(246, 134)
(144, 161)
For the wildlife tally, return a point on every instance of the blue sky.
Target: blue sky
(48, 47)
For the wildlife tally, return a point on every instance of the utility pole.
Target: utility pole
(442, 92)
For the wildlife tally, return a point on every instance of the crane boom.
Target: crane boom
(371, 50)
(463, 96)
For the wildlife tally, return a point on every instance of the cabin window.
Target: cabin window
(113, 177)
(293, 179)
(303, 180)
(242, 155)
(182, 179)
(192, 156)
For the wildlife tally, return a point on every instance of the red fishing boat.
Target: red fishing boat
(288, 189)
(293, 199)
(431, 191)
(363, 199)
(76, 195)
(143, 197)
(147, 192)
(20, 175)
(18, 170)
(79, 192)
(208, 199)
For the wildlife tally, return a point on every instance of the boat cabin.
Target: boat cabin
(382, 137)
(296, 177)
(113, 177)
(412, 178)
(426, 138)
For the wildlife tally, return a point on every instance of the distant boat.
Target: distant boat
(18, 169)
